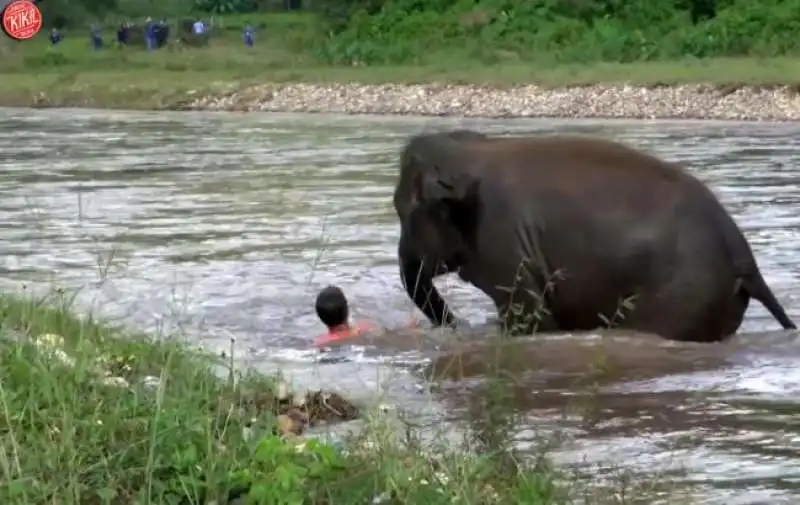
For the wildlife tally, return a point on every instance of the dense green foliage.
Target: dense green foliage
(557, 31)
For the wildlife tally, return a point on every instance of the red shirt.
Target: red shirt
(342, 333)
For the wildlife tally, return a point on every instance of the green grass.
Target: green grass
(73, 75)
(177, 432)
(161, 86)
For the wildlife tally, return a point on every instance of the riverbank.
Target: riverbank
(92, 414)
(733, 89)
(594, 101)
(699, 101)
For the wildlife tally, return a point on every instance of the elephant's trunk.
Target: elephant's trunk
(417, 275)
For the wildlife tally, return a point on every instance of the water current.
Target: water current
(225, 226)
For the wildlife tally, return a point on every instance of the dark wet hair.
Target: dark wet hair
(332, 307)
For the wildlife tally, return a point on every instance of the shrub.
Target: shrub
(411, 31)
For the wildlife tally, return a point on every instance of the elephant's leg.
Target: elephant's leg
(704, 310)
(417, 277)
(731, 318)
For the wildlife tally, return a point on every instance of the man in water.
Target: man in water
(332, 309)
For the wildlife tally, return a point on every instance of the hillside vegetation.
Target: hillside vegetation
(561, 31)
(391, 32)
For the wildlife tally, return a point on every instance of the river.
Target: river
(224, 226)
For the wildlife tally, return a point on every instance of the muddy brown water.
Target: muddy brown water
(225, 225)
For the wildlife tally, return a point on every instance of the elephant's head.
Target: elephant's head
(437, 197)
(443, 220)
(437, 201)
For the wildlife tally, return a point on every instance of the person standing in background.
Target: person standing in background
(54, 36)
(123, 33)
(249, 36)
(150, 34)
(97, 37)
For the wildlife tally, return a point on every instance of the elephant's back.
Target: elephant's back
(594, 174)
(599, 160)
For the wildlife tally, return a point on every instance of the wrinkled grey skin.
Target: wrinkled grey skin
(572, 233)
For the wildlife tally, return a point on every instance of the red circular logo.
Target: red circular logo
(21, 20)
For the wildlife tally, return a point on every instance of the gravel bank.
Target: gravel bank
(684, 102)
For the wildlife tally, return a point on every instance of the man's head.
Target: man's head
(332, 307)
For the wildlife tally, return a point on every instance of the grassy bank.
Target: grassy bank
(160, 86)
(91, 414)
(73, 75)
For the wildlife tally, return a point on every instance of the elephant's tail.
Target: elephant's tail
(741, 255)
(757, 288)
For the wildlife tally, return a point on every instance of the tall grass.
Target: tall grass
(93, 414)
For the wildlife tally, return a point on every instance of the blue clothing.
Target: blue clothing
(249, 37)
(97, 40)
(122, 36)
(150, 36)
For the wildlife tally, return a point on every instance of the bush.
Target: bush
(570, 31)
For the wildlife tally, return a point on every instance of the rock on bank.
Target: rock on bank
(596, 101)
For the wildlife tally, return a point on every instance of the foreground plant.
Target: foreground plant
(93, 415)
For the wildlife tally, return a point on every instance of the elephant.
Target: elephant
(572, 233)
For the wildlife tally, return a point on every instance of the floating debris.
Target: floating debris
(292, 423)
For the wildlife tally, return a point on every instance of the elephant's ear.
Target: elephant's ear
(436, 184)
